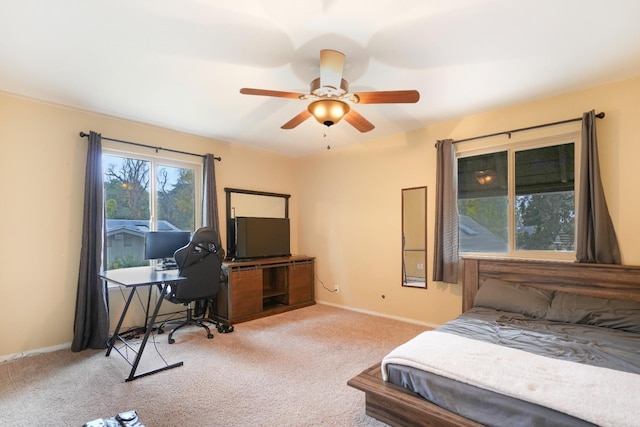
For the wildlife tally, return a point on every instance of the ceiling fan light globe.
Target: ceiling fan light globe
(328, 111)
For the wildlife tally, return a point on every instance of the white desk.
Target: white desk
(133, 278)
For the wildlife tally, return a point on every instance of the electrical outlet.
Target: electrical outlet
(336, 288)
(420, 266)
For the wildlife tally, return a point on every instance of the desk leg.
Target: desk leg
(146, 311)
(114, 337)
(149, 328)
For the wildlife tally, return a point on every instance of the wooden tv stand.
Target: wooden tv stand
(262, 287)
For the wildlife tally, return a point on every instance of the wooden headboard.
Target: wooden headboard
(599, 280)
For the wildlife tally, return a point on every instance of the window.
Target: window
(135, 203)
(520, 199)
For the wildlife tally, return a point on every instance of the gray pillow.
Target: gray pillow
(606, 313)
(516, 298)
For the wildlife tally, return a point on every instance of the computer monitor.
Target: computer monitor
(162, 245)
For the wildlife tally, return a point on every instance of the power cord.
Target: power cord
(322, 283)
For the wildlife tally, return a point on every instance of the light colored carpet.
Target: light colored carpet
(289, 369)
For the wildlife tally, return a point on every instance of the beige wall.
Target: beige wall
(42, 161)
(345, 204)
(350, 212)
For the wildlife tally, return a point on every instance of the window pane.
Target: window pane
(545, 170)
(545, 222)
(545, 199)
(176, 198)
(483, 176)
(126, 195)
(483, 224)
(483, 203)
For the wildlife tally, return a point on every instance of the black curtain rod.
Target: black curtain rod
(82, 134)
(509, 132)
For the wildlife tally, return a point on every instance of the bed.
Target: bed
(598, 370)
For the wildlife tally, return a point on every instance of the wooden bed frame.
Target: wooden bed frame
(399, 407)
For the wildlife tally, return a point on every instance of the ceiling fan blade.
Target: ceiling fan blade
(388, 97)
(274, 93)
(331, 67)
(356, 120)
(296, 120)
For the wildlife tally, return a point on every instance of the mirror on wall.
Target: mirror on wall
(255, 204)
(414, 237)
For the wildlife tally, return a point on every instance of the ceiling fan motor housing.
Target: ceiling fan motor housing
(329, 91)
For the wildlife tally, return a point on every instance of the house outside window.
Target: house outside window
(519, 199)
(144, 194)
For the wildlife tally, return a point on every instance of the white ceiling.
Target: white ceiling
(180, 63)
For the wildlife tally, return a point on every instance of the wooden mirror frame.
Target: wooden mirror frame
(231, 214)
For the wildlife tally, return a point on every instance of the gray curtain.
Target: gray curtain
(596, 242)
(210, 199)
(445, 253)
(91, 324)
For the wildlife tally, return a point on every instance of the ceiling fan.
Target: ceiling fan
(330, 96)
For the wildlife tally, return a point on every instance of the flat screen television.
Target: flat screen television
(255, 237)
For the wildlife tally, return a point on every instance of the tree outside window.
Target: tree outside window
(539, 191)
(132, 198)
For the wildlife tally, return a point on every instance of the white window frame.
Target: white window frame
(165, 160)
(519, 144)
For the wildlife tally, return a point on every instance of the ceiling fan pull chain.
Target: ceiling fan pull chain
(325, 134)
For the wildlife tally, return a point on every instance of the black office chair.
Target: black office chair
(201, 263)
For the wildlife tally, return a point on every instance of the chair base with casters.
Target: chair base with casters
(196, 321)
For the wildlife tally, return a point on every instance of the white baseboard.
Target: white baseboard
(374, 313)
(17, 356)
